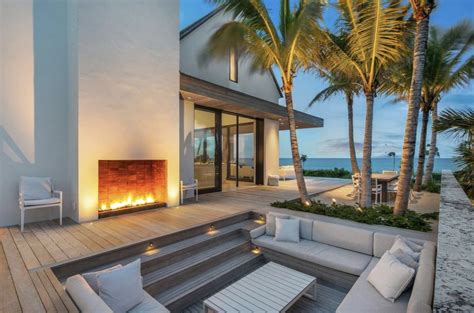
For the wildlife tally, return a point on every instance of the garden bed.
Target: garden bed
(378, 215)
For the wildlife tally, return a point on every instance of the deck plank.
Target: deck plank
(25, 289)
(8, 298)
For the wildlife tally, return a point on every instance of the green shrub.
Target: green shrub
(379, 214)
(335, 173)
(433, 186)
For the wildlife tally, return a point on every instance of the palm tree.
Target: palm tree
(338, 83)
(285, 47)
(460, 125)
(445, 70)
(421, 13)
(374, 31)
(392, 155)
(303, 158)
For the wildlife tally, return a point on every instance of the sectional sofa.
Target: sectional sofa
(343, 256)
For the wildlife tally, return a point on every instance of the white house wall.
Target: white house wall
(271, 151)
(127, 89)
(257, 84)
(33, 100)
(186, 141)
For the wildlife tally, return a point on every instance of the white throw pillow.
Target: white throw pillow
(413, 245)
(91, 277)
(402, 245)
(390, 277)
(270, 222)
(405, 259)
(287, 229)
(122, 288)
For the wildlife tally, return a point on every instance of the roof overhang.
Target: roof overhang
(214, 96)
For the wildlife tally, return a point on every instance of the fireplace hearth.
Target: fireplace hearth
(127, 186)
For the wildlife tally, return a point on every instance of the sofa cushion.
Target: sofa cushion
(423, 287)
(287, 230)
(149, 305)
(332, 257)
(306, 228)
(390, 277)
(270, 222)
(342, 236)
(364, 298)
(383, 242)
(122, 288)
(84, 297)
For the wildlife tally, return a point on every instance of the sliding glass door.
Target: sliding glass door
(226, 149)
(207, 156)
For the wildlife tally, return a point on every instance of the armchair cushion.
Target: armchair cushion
(36, 188)
(42, 202)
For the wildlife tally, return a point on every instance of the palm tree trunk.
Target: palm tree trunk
(409, 142)
(366, 175)
(350, 117)
(431, 156)
(422, 150)
(294, 149)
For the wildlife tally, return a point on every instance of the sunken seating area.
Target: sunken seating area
(181, 268)
(344, 256)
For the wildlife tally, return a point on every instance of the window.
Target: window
(233, 65)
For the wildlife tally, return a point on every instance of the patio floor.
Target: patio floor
(29, 285)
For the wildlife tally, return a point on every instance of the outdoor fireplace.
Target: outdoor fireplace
(131, 185)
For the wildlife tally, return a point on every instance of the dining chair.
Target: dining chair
(37, 193)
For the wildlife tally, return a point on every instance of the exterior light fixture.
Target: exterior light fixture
(212, 227)
(256, 250)
(307, 203)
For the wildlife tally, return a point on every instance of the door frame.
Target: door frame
(259, 147)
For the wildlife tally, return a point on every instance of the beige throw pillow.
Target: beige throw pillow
(390, 277)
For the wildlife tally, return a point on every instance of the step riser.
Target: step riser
(166, 260)
(177, 305)
(174, 279)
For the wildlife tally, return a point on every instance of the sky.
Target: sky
(389, 119)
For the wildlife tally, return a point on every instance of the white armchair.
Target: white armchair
(36, 193)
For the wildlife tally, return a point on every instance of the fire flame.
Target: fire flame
(128, 202)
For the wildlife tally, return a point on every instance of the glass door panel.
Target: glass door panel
(205, 149)
(229, 151)
(246, 151)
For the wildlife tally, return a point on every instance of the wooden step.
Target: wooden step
(193, 264)
(107, 257)
(165, 256)
(210, 281)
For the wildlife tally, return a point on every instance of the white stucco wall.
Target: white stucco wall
(271, 151)
(127, 89)
(257, 84)
(33, 101)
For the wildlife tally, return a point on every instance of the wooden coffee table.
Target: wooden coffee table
(271, 288)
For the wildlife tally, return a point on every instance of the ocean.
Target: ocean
(378, 164)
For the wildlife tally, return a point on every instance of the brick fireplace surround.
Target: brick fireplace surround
(131, 185)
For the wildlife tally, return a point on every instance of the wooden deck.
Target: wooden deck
(27, 283)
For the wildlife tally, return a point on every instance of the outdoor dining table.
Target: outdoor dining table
(384, 180)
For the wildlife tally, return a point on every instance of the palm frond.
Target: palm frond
(457, 123)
